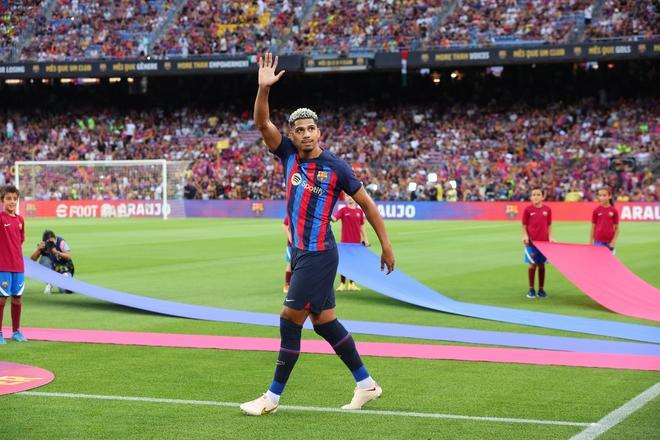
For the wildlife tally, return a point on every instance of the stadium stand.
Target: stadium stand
(214, 28)
(485, 22)
(88, 30)
(343, 26)
(625, 19)
(491, 152)
(76, 30)
(15, 17)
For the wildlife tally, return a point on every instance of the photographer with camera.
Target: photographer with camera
(54, 253)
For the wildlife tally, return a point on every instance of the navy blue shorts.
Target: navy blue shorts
(606, 244)
(534, 256)
(312, 280)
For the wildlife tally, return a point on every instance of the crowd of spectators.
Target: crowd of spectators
(81, 29)
(15, 16)
(93, 182)
(122, 29)
(341, 26)
(485, 22)
(464, 152)
(211, 28)
(625, 18)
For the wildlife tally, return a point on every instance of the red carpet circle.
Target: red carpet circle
(15, 378)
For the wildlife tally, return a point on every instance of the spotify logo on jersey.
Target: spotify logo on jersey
(296, 179)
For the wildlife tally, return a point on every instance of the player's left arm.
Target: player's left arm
(376, 221)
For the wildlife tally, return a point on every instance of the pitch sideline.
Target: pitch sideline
(306, 408)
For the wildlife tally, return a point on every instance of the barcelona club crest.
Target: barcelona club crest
(511, 211)
(321, 176)
(258, 209)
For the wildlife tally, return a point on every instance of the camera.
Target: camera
(49, 246)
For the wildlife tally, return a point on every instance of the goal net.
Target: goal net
(135, 182)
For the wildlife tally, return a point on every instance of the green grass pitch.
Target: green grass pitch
(239, 264)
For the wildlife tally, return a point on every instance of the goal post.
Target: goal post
(137, 180)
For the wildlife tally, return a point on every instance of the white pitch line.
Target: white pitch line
(619, 415)
(306, 408)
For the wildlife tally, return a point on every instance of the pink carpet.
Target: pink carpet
(415, 351)
(18, 377)
(599, 274)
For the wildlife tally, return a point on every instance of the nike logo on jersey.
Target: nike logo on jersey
(289, 300)
(599, 214)
(532, 213)
(8, 225)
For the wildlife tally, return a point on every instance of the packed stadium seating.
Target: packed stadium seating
(341, 26)
(74, 29)
(213, 28)
(484, 22)
(491, 152)
(623, 18)
(87, 30)
(15, 16)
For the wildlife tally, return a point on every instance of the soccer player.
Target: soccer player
(12, 279)
(352, 231)
(536, 226)
(605, 221)
(287, 272)
(314, 180)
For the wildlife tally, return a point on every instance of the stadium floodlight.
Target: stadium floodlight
(96, 180)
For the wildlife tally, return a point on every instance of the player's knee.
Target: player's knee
(293, 315)
(324, 317)
(532, 266)
(3, 300)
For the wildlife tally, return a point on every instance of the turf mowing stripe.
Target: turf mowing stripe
(619, 415)
(306, 408)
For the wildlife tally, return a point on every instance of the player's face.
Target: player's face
(305, 134)
(604, 197)
(9, 202)
(537, 197)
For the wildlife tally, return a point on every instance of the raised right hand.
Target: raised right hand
(267, 68)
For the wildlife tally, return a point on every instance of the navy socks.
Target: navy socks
(343, 344)
(290, 334)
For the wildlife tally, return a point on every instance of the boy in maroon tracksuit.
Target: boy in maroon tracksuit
(12, 278)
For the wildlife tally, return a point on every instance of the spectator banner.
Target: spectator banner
(532, 54)
(343, 64)
(501, 55)
(118, 68)
(561, 211)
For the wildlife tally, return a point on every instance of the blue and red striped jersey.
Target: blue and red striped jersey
(312, 190)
